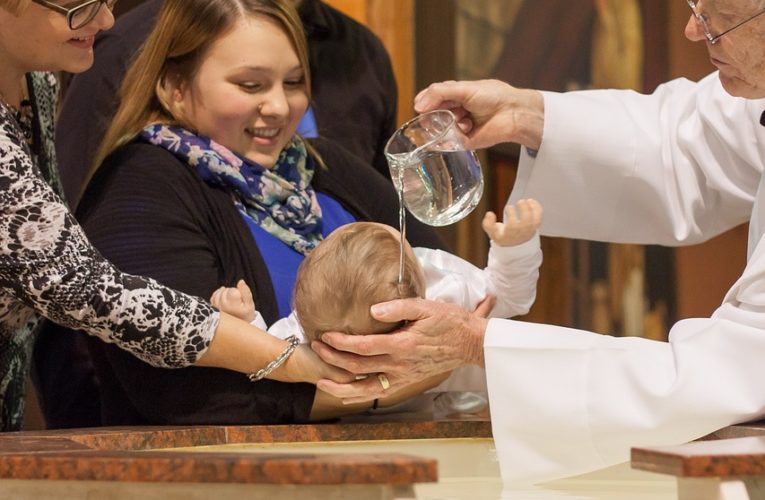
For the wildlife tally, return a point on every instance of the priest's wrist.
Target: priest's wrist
(474, 335)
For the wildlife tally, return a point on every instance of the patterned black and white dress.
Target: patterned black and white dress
(49, 269)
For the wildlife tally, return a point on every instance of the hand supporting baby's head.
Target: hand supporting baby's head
(353, 268)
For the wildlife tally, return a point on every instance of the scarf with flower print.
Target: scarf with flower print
(280, 200)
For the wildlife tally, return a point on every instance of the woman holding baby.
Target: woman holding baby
(202, 181)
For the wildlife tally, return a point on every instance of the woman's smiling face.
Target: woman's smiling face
(249, 92)
(39, 39)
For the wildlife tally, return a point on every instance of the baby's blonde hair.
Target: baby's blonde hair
(355, 267)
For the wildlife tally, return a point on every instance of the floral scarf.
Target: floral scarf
(281, 200)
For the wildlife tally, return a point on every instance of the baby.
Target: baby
(357, 266)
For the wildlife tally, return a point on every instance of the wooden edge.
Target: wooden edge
(210, 467)
(147, 438)
(715, 458)
(125, 453)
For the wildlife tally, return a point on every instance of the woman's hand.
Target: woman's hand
(488, 111)
(440, 337)
(245, 348)
(305, 366)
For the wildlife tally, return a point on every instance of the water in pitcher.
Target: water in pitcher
(398, 181)
(438, 188)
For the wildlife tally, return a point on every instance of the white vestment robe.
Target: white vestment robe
(675, 167)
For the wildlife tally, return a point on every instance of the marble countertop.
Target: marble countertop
(132, 454)
(734, 451)
(126, 454)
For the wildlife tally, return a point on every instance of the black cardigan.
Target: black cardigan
(152, 215)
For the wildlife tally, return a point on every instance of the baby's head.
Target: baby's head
(355, 267)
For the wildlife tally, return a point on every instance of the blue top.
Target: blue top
(282, 261)
(307, 127)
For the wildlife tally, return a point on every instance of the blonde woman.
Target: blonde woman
(204, 181)
(47, 266)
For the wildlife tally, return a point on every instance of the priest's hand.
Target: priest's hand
(488, 111)
(438, 338)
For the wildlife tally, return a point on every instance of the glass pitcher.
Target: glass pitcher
(442, 181)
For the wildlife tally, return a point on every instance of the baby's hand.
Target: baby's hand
(235, 301)
(520, 223)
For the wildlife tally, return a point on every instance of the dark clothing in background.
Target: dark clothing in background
(354, 90)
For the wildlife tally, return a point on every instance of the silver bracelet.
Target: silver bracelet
(273, 365)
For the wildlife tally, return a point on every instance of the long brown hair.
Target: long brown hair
(184, 31)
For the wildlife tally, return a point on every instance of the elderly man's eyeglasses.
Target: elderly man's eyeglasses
(703, 21)
(78, 14)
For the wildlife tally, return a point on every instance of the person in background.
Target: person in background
(675, 167)
(202, 180)
(47, 266)
(353, 102)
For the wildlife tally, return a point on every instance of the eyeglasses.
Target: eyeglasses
(80, 13)
(703, 20)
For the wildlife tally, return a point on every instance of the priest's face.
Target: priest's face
(738, 30)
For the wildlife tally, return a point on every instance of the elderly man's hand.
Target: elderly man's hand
(438, 338)
(488, 111)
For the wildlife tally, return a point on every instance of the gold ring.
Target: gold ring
(384, 382)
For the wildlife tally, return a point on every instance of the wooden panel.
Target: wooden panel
(436, 41)
(357, 9)
(655, 33)
(686, 58)
(435, 47)
(392, 21)
(705, 272)
(549, 45)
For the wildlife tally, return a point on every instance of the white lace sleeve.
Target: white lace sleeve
(47, 263)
